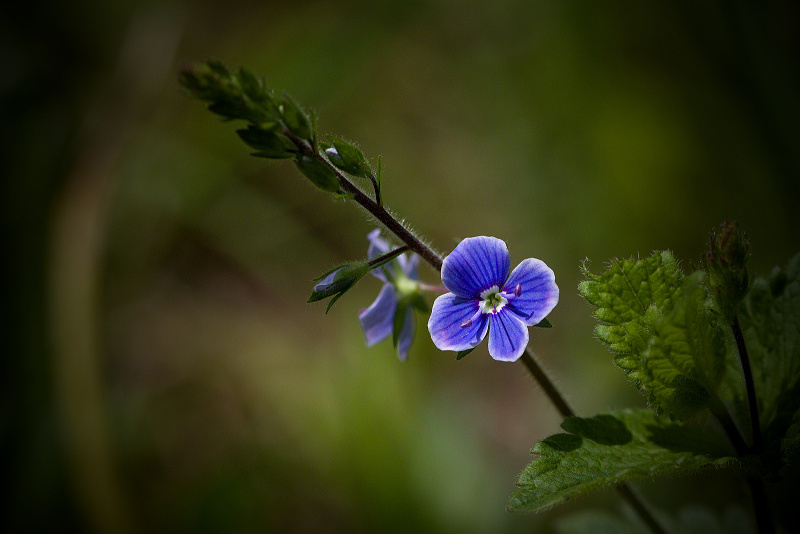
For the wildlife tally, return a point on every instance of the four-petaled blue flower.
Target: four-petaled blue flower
(483, 297)
(400, 278)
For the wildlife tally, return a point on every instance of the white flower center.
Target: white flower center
(492, 300)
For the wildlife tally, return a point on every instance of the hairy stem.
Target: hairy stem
(547, 385)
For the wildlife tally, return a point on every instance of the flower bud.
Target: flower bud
(338, 281)
(726, 265)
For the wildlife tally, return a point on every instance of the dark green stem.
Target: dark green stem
(638, 504)
(764, 521)
(761, 508)
(749, 385)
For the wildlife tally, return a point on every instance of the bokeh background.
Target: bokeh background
(163, 372)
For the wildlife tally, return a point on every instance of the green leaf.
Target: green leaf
(626, 295)
(320, 174)
(295, 119)
(770, 320)
(268, 144)
(657, 323)
(254, 89)
(608, 449)
(682, 365)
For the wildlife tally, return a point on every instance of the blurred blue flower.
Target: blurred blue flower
(482, 294)
(401, 286)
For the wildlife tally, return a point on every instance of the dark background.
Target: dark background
(163, 371)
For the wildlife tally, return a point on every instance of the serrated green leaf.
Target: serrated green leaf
(628, 294)
(682, 365)
(770, 320)
(657, 323)
(608, 449)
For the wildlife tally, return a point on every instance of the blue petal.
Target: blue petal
(539, 291)
(508, 337)
(377, 320)
(406, 335)
(449, 312)
(409, 265)
(476, 264)
(378, 246)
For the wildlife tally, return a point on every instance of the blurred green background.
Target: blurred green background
(163, 372)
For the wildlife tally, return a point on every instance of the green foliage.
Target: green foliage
(658, 324)
(278, 127)
(610, 448)
(269, 144)
(684, 359)
(770, 320)
(627, 295)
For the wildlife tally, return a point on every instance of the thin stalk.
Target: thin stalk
(414, 244)
(764, 519)
(547, 385)
(387, 257)
(755, 424)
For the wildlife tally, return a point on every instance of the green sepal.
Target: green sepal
(610, 448)
(726, 265)
(544, 323)
(349, 158)
(320, 174)
(400, 318)
(413, 301)
(267, 143)
(295, 119)
(463, 353)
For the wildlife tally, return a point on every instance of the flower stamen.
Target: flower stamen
(469, 321)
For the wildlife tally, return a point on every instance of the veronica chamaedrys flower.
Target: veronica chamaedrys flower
(484, 297)
(401, 279)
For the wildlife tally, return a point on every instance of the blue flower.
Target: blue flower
(401, 284)
(485, 298)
